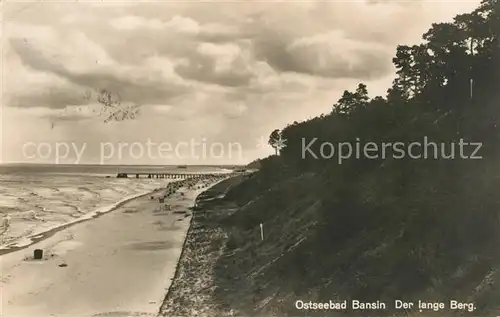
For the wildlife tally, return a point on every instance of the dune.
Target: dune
(120, 264)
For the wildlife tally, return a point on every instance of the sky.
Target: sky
(209, 80)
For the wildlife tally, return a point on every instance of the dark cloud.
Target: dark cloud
(145, 91)
(224, 37)
(203, 68)
(270, 42)
(233, 31)
(325, 59)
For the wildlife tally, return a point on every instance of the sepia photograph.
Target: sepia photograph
(250, 158)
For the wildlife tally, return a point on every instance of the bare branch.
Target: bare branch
(113, 107)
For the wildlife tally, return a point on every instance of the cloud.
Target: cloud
(222, 64)
(328, 54)
(187, 27)
(84, 65)
(229, 72)
(134, 22)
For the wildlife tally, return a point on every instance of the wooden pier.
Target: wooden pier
(171, 175)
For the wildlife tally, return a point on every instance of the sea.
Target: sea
(36, 198)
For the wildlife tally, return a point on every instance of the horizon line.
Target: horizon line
(96, 164)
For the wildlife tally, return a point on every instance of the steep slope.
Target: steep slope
(367, 254)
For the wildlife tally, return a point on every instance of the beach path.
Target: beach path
(119, 265)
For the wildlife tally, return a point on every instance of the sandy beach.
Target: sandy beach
(120, 264)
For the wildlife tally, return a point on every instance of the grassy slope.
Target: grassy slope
(384, 249)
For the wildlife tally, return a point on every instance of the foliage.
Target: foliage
(276, 141)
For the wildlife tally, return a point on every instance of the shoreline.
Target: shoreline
(109, 271)
(38, 237)
(24, 242)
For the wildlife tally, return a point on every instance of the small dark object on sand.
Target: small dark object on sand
(63, 265)
(162, 200)
(152, 197)
(38, 254)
